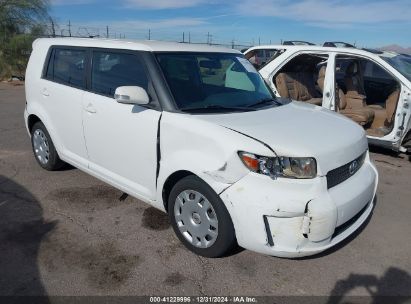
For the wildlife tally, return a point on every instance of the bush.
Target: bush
(21, 22)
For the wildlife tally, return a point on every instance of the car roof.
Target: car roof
(321, 48)
(140, 45)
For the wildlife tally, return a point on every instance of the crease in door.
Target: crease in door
(158, 149)
(84, 131)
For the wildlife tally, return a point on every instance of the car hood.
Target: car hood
(300, 129)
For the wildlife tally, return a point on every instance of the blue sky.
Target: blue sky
(369, 23)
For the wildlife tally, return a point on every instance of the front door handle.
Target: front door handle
(45, 92)
(90, 108)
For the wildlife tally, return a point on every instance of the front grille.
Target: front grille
(340, 174)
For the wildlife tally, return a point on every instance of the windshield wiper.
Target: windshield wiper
(216, 107)
(263, 101)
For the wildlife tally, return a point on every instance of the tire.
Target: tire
(200, 218)
(43, 148)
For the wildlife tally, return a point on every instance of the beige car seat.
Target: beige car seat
(298, 86)
(360, 115)
(384, 117)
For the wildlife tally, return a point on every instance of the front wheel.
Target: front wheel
(200, 219)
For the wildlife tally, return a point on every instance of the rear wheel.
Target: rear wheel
(200, 219)
(43, 148)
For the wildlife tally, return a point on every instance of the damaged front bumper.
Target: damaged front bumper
(294, 218)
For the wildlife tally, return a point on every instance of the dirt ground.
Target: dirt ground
(67, 233)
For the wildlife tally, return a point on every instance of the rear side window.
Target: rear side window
(67, 66)
(111, 70)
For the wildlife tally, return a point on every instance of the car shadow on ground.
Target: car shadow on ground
(22, 229)
(393, 287)
(388, 152)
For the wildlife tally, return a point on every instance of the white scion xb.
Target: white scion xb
(227, 160)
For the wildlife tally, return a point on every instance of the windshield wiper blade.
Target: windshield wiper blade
(263, 101)
(216, 107)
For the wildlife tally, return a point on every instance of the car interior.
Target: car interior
(367, 94)
(302, 77)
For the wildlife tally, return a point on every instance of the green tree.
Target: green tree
(21, 21)
(22, 13)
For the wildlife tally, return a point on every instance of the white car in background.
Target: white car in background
(227, 160)
(371, 87)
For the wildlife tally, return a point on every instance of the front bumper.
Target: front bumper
(294, 218)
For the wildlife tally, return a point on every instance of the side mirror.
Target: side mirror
(131, 95)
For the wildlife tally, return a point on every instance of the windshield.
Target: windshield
(215, 82)
(402, 63)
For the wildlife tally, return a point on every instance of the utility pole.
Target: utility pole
(209, 38)
(107, 31)
(53, 30)
(69, 26)
(183, 37)
(149, 34)
(232, 44)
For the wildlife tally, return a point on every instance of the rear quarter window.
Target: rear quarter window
(67, 66)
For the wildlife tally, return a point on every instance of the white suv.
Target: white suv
(227, 160)
(371, 87)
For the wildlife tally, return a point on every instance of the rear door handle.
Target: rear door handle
(90, 108)
(45, 92)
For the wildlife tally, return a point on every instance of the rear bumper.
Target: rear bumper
(294, 218)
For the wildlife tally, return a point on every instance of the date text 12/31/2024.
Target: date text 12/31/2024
(203, 299)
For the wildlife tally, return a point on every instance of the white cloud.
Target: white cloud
(163, 4)
(137, 28)
(70, 2)
(159, 24)
(334, 12)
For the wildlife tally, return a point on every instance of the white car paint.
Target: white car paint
(272, 215)
(402, 125)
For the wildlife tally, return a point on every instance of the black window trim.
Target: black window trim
(154, 103)
(111, 51)
(170, 103)
(50, 59)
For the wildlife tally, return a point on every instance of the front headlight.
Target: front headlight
(292, 167)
